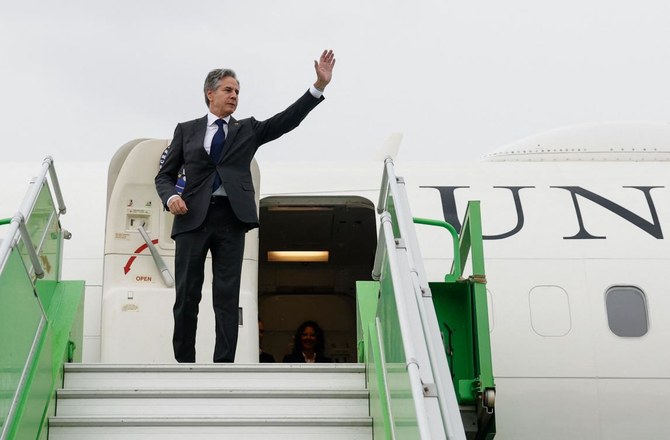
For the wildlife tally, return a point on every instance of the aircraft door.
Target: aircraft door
(312, 251)
(137, 298)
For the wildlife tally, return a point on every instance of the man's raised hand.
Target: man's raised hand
(324, 69)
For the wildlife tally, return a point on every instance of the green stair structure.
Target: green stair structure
(41, 316)
(425, 345)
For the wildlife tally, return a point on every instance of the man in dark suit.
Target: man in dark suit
(217, 206)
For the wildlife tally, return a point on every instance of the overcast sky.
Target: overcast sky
(78, 79)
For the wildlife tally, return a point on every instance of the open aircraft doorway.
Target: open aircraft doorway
(312, 250)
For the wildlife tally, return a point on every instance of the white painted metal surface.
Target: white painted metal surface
(248, 428)
(215, 376)
(283, 401)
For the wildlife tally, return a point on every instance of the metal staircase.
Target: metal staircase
(260, 401)
(425, 382)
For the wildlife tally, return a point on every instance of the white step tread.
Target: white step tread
(201, 428)
(210, 393)
(268, 367)
(229, 403)
(215, 376)
(62, 421)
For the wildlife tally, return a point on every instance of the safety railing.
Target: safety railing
(399, 268)
(457, 267)
(30, 251)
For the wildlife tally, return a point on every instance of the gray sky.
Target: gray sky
(459, 78)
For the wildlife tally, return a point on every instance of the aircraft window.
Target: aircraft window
(550, 311)
(626, 311)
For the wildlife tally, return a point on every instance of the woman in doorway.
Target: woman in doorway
(308, 345)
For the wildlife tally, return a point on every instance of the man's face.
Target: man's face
(223, 100)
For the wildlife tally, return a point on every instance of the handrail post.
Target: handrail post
(32, 253)
(383, 193)
(56, 185)
(379, 254)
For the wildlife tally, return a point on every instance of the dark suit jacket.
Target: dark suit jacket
(243, 139)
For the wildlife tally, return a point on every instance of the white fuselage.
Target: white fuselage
(559, 238)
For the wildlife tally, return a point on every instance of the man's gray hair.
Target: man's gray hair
(213, 78)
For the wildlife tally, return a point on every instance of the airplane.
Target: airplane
(573, 221)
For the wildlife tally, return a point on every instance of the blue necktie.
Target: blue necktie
(215, 150)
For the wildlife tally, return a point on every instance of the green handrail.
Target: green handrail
(42, 312)
(457, 272)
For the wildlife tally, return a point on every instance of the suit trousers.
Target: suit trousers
(222, 234)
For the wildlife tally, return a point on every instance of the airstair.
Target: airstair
(424, 368)
(425, 345)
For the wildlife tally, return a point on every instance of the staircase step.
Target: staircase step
(201, 428)
(229, 403)
(212, 401)
(215, 376)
